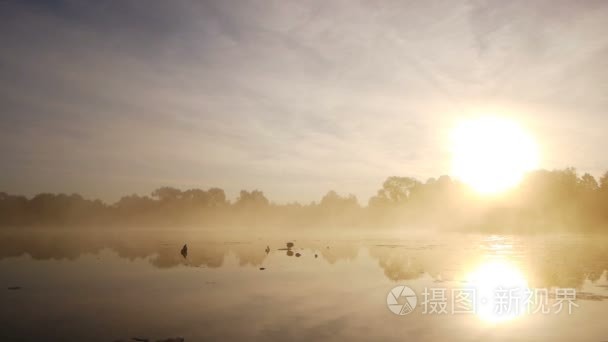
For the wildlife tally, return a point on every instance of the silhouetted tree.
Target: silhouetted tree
(167, 194)
(253, 199)
(604, 182)
(545, 200)
(395, 190)
(334, 201)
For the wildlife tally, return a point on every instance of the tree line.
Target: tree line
(557, 200)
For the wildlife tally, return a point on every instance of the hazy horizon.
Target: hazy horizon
(599, 184)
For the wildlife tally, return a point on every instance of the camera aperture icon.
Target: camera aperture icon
(401, 300)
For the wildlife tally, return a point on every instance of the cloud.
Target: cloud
(294, 98)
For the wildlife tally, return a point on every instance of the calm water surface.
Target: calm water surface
(108, 286)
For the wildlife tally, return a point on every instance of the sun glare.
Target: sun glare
(491, 280)
(492, 154)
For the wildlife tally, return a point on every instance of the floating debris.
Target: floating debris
(316, 256)
(298, 255)
(262, 268)
(289, 244)
(289, 253)
(14, 288)
(184, 251)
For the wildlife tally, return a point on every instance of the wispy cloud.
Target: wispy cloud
(291, 97)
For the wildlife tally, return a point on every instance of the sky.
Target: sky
(108, 98)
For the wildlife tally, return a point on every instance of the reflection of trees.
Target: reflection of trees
(249, 254)
(163, 249)
(43, 245)
(397, 264)
(564, 262)
(211, 255)
(208, 255)
(406, 263)
(338, 251)
(569, 264)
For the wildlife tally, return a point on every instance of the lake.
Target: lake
(114, 285)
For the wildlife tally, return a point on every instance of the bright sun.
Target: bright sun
(492, 154)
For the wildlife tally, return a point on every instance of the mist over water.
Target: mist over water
(123, 283)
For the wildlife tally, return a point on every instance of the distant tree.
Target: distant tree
(395, 190)
(13, 210)
(557, 198)
(217, 197)
(604, 182)
(380, 200)
(588, 183)
(167, 194)
(253, 199)
(334, 201)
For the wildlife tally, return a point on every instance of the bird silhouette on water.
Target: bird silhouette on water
(267, 249)
(185, 251)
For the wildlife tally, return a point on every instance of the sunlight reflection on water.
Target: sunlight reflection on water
(494, 281)
(498, 281)
(336, 289)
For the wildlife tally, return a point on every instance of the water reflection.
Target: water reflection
(500, 288)
(546, 261)
(335, 290)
